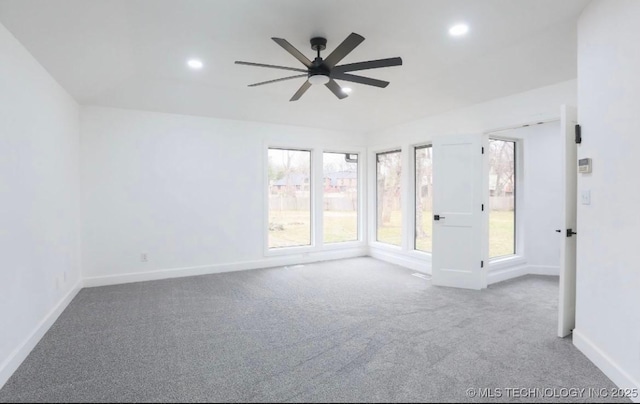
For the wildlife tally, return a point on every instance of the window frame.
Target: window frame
(414, 190)
(374, 212)
(518, 236)
(312, 192)
(317, 246)
(360, 183)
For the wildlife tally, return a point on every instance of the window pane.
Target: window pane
(502, 190)
(424, 198)
(289, 198)
(340, 197)
(389, 213)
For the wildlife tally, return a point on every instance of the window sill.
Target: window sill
(420, 254)
(385, 246)
(342, 245)
(506, 262)
(269, 252)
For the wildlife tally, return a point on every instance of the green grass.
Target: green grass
(501, 233)
(340, 226)
(391, 232)
(289, 228)
(292, 228)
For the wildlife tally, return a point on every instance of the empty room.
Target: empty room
(319, 201)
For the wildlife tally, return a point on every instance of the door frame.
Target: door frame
(568, 264)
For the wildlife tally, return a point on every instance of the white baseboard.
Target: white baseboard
(503, 274)
(544, 270)
(402, 259)
(228, 267)
(15, 359)
(608, 366)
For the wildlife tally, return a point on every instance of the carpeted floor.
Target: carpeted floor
(350, 330)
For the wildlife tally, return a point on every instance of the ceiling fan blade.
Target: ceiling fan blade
(277, 80)
(303, 89)
(296, 53)
(359, 79)
(271, 66)
(372, 64)
(343, 49)
(336, 89)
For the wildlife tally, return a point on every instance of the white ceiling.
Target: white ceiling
(133, 53)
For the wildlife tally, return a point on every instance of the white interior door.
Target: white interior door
(460, 225)
(567, 301)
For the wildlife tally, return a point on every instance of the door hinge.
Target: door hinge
(483, 207)
(578, 134)
(482, 150)
(481, 264)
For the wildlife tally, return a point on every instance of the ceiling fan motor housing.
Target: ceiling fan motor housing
(318, 72)
(318, 44)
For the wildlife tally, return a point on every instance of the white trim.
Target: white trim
(342, 245)
(412, 206)
(392, 248)
(316, 198)
(402, 259)
(227, 267)
(490, 132)
(292, 250)
(362, 191)
(420, 255)
(372, 193)
(503, 274)
(551, 270)
(605, 363)
(499, 263)
(15, 359)
(313, 246)
(407, 229)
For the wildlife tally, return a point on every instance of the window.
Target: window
(389, 212)
(340, 201)
(502, 201)
(289, 198)
(424, 198)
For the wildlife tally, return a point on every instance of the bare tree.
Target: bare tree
(502, 160)
(424, 186)
(389, 173)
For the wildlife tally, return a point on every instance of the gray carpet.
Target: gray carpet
(350, 330)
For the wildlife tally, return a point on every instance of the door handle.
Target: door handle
(438, 217)
(569, 233)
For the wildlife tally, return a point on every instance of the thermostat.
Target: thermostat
(584, 166)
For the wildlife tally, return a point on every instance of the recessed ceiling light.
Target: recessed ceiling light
(346, 90)
(195, 64)
(459, 29)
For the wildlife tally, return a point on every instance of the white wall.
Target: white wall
(529, 107)
(608, 277)
(188, 191)
(39, 182)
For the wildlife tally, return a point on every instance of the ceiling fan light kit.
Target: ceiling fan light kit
(326, 71)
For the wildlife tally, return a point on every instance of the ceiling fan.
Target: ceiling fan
(326, 71)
